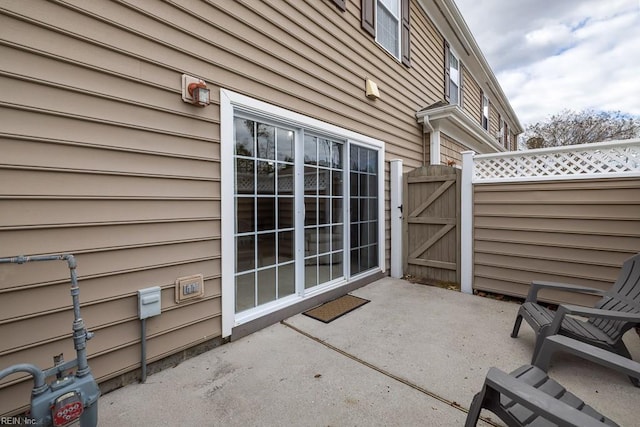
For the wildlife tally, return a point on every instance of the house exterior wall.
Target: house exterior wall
(472, 97)
(450, 151)
(563, 231)
(427, 50)
(494, 121)
(107, 162)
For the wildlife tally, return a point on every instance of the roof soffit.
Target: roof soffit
(455, 122)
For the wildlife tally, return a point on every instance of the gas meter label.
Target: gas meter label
(67, 408)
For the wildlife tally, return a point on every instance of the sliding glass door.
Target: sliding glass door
(323, 210)
(264, 213)
(363, 196)
(306, 211)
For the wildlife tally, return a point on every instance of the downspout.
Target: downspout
(466, 223)
(434, 142)
(434, 148)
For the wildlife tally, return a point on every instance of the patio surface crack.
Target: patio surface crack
(387, 373)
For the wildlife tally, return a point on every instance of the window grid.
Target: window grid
(264, 265)
(323, 200)
(265, 199)
(388, 25)
(454, 78)
(485, 112)
(363, 198)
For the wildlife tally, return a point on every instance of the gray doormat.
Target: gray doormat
(330, 311)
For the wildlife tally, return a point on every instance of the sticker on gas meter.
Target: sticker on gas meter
(67, 409)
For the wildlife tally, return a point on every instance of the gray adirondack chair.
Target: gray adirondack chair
(528, 396)
(613, 315)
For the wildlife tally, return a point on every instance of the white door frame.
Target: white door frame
(230, 102)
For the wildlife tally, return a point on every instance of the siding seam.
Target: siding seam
(120, 347)
(559, 231)
(106, 147)
(7, 166)
(104, 96)
(111, 273)
(541, 257)
(97, 224)
(96, 328)
(104, 300)
(551, 245)
(573, 276)
(102, 121)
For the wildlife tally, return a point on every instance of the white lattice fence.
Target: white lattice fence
(617, 158)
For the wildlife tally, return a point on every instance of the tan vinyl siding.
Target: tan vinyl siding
(494, 122)
(105, 160)
(472, 99)
(514, 141)
(450, 150)
(569, 231)
(427, 56)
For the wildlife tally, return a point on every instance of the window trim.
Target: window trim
(340, 4)
(451, 52)
(506, 135)
(368, 23)
(398, 18)
(232, 102)
(485, 117)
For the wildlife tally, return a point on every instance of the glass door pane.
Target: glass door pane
(323, 202)
(363, 174)
(264, 157)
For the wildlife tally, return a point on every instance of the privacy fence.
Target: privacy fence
(567, 214)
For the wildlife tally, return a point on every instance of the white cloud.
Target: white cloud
(549, 55)
(551, 35)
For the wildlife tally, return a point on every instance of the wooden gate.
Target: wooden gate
(432, 223)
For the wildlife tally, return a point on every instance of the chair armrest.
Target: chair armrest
(536, 285)
(537, 401)
(589, 352)
(600, 313)
(565, 309)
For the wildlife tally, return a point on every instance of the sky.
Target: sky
(551, 55)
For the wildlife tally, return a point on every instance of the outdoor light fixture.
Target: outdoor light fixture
(194, 91)
(199, 93)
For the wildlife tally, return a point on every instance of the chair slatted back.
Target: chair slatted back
(624, 296)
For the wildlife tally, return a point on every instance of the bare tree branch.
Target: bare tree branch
(584, 127)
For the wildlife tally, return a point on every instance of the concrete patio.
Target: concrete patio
(414, 355)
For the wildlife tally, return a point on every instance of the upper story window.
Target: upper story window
(501, 138)
(388, 25)
(507, 141)
(485, 112)
(452, 76)
(387, 21)
(454, 79)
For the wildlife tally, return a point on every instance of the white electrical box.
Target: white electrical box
(149, 302)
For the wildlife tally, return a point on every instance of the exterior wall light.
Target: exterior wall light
(194, 91)
(199, 93)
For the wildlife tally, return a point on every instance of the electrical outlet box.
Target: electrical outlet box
(189, 287)
(149, 302)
